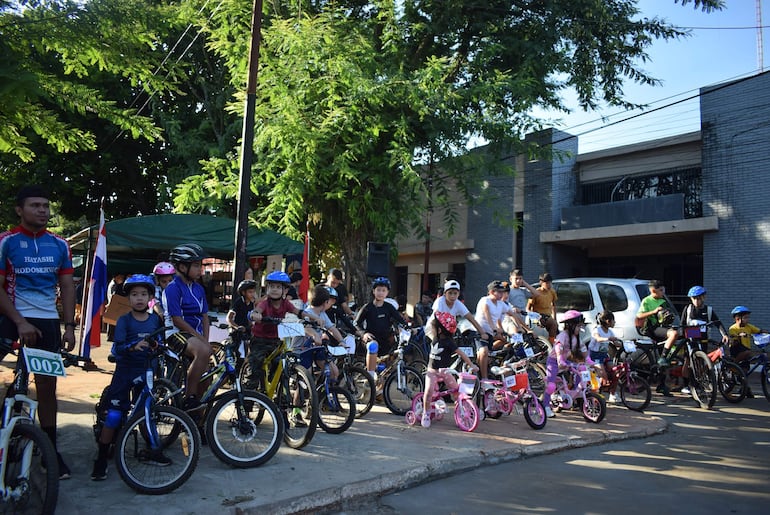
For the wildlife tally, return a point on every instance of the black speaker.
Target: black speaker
(377, 259)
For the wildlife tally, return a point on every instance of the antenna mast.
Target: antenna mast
(760, 43)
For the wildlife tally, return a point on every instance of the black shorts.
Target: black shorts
(50, 341)
(177, 342)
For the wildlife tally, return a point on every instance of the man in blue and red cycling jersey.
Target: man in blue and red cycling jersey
(33, 262)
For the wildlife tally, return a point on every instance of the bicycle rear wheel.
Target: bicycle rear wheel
(38, 487)
(160, 470)
(399, 400)
(298, 400)
(635, 392)
(703, 388)
(336, 409)
(360, 383)
(236, 437)
(732, 382)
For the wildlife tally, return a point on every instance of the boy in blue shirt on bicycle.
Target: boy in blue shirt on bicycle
(131, 351)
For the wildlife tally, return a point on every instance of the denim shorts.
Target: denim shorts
(599, 357)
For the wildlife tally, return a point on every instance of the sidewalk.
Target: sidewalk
(379, 453)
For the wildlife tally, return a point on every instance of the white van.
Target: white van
(592, 295)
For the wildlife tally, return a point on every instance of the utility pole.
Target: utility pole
(247, 149)
(429, 215)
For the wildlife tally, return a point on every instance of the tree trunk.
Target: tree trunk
(354, 265)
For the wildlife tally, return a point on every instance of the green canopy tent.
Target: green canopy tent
(136, 244)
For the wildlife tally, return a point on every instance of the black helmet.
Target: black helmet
(187, 253)
(246, 284)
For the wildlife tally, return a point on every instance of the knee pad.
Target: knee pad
(372, 347)
(113, 418)
(550, 388)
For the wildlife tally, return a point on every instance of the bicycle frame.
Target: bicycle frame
(398, 363)
(581, 379)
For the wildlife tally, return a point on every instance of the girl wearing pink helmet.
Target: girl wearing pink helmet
(441, 350)
(163, 273)
(566, 346)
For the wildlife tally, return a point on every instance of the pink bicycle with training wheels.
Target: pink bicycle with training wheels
(466, 411)
(512, 392)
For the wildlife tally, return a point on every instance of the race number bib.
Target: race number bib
(290, 329)
(44, 363)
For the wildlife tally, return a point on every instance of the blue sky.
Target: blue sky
(718, 50)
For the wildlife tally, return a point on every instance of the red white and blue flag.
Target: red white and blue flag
(97, 292)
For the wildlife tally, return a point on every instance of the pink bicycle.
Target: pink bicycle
(512, 392)
(466, 412)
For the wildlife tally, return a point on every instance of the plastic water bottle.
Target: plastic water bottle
(380, 367)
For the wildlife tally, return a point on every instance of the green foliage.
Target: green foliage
(47, 51)
(365, 109)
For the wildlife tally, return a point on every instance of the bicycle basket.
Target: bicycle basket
(518, 379)
(761, 340)
(629, 346)
(467, 383)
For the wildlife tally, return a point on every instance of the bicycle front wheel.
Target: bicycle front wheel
(764, 375)
(635, 392)
(534, 413)
(34, 489)
(703, 388)
(298, 400)
(153, 469)
(244, 434)
(466, 414)
(398, 398)
(732, 382)
(336, 409)
(594, 407)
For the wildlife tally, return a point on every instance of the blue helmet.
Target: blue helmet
(142, 280)
(332, 291)
(381, 281)
(277, 276)
(740, 310)
(696, 291)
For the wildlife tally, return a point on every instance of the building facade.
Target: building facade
(689, 209)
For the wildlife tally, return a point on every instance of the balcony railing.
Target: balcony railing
(686, 181)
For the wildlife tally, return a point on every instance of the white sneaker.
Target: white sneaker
(685, 390)
(549, 412)
(614, 399)
(425, 420)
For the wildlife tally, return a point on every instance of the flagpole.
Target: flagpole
(97, 291)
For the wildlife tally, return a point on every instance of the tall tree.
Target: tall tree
(356, 97)
(108, 99)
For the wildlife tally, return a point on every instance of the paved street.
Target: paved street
(379, 454)
(707, 462)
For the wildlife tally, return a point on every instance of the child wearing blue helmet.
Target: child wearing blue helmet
(694, 314)
(741, 337)
(131, 348)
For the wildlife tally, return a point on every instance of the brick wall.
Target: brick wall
(735, 127)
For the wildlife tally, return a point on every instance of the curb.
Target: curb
(359, 492)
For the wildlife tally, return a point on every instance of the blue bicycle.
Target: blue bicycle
(157, 448)
(761, 362)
